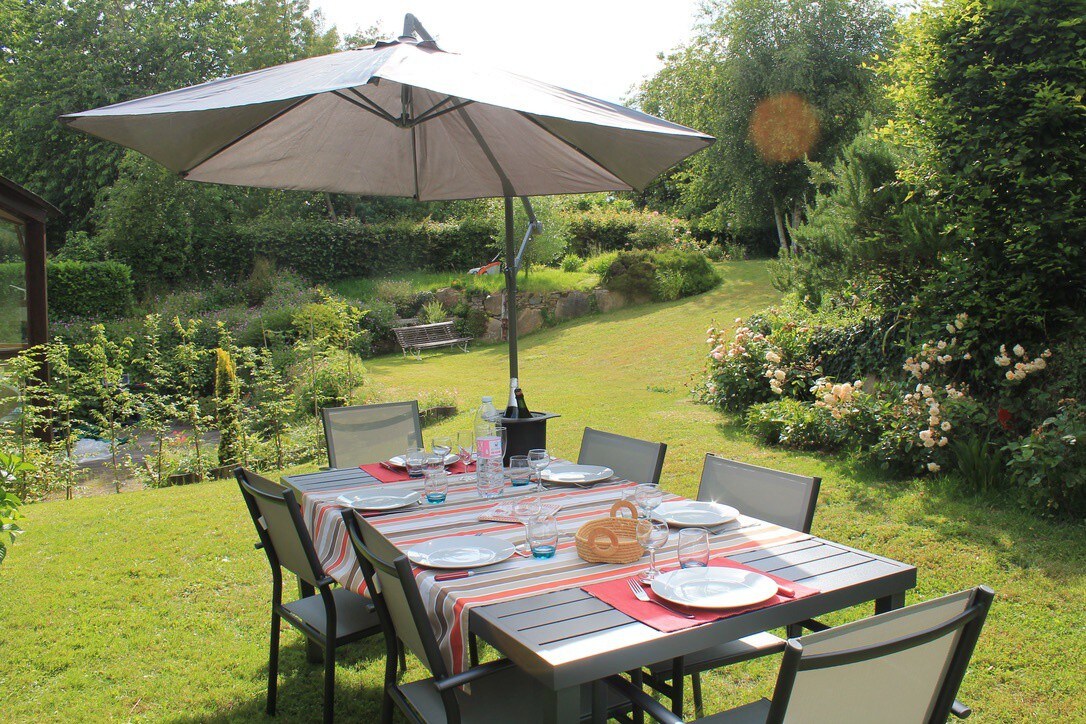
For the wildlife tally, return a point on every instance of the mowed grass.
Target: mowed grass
(153, 605)
(541, 279)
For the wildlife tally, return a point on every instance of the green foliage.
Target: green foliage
(155, 405)
(663, 276)
(228, 407)
(997, 121)
(793, 424)
(11, 468)
(1048, 466)
(979, 462)
(323, 379)
(600, 263)
(775, 81)
(89, 289)
(571, 263)
(103, 386)
(432, 312)
(81, 246)
(470, 322)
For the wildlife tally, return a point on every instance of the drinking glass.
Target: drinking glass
(628, 495)
(652, 534)
(693, 548)
(527, 508)
(648, 497)
(543, 536)
(519, 471)
(465, 443)
(538, 460)
(441, 445)
(413, 460)
(437, 485)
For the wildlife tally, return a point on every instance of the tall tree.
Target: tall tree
(777, 82)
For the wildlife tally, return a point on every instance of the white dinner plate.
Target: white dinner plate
(714, 587)
(570, 474)
(688, 513)
(388, 500)
(397, 461)
(462, 551)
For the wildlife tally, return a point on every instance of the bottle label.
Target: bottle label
(489, 446)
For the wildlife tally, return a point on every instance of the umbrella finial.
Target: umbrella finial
(412, 27)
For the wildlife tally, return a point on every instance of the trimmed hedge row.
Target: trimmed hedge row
(89, 289)
(324, 250)
(80, 288)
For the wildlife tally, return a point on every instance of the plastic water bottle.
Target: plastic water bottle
(488, 447)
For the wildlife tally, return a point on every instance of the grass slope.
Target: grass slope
(152, 605)
(539, 279)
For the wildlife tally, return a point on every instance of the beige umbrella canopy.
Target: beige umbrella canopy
(400, 118)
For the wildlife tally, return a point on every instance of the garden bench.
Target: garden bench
(429, 336)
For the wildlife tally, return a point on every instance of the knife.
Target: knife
(453, 576)
(786, 591)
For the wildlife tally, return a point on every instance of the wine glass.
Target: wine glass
(441, 445)
(652, 534)
(527, 508)
(465, 442)
(648, 497)
(538, 460)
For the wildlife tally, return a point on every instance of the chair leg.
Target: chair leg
(273, 664)
(695, 684)
(473, 649)
(793, 630)
(329, 681)
(313, 653)
(677, 686)
(403, 656)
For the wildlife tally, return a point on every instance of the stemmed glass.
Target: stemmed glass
(465, 442)
(648, 497)
(441, 445)
(538, 460)
(652, 534)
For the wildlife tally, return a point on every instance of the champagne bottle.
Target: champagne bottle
(511, 411)
(522, 406)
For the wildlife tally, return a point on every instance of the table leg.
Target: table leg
(599, 702)
(314, 654)
(564, 706)
(889, 603)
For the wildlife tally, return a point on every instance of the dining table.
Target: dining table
(549, 616)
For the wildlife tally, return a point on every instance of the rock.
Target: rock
(529, 321)
(608, 301)
(492, 305)
(574, 304)
(448, 297)
(493, 330)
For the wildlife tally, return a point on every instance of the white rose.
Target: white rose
(950, 328)
(1018, 350)
(934, 467)
(773, 357)
(779, 374)
(943, 442)
(946, 426)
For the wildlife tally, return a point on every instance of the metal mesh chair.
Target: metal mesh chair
(782, 498)
(629, 457)
(330, 618)
(902, 666)
(500, 692)
(370, 433)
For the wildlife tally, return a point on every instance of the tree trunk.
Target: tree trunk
(328, 204)
(797, 219)
(778, 218)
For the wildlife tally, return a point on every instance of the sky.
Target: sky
(600, 47)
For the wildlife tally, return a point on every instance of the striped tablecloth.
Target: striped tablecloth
(449, 602)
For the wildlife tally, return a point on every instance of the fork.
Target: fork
(640, 595)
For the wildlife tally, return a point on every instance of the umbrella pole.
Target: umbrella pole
(511, 287)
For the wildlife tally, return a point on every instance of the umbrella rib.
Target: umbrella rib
(424, 118)
(576, 148)
(369, 106)
(507, 185)
(275, 116)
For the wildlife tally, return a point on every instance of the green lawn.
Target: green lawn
(540, 279)
(153, 604)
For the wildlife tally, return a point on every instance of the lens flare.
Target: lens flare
(784, 127)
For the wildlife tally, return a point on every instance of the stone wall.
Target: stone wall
(535, 309)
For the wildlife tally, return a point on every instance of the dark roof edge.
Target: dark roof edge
(23, 201)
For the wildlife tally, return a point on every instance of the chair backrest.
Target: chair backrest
(782, 498)
(370, 433)
(901, 666)
(392, 586)
(279, 524)
(630, 458)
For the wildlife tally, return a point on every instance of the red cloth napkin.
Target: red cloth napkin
(399, 475)
(617, 593)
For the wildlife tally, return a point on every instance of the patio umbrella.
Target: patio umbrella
(400, 118)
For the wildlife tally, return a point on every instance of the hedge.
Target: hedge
(324, 250)
(89, 289)
(662, 276)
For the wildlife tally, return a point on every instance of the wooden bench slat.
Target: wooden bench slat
(428, 336)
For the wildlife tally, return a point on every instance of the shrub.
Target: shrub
(600, 230)
(668, 285)
(433, 311)
(470, 322)
(400, 294)
(698, 275)
(89, 289)
(633, 273)
(378, 320)
(324, 379)
(654, 231)
(600, 263)
(1048, 467)
(571, 263)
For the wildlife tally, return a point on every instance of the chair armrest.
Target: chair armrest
(960, 710)
(258, 546)
(642, 701)
(472, 674)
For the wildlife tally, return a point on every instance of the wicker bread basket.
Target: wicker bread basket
(610, 540)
